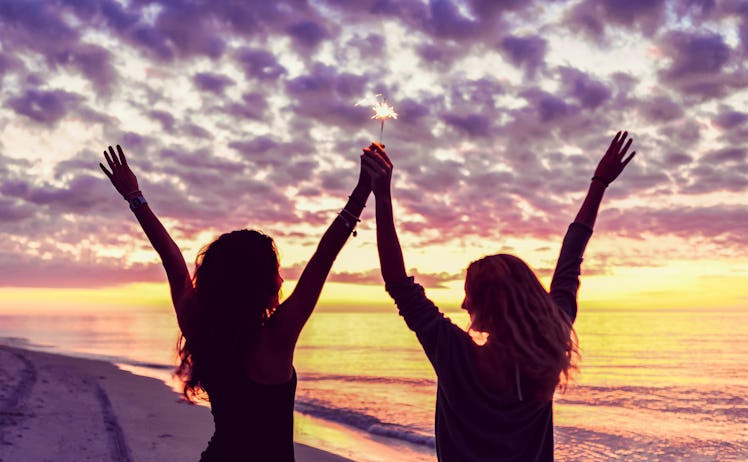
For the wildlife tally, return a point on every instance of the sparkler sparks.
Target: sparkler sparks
(382, 110)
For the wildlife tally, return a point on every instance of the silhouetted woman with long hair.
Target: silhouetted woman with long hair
(495, 393)
(238, 341)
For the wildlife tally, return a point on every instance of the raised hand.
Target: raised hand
(613, 162)
(378, 166)
(121, 176)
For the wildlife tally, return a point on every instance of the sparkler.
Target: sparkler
(382, 111)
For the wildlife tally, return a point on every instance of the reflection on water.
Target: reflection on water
(143, 337)
(654, 386)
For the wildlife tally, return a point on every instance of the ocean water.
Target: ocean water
(653, 385)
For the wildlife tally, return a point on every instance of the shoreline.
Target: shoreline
(65, 408)
(311, 433)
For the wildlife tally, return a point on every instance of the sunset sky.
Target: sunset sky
(242, 114)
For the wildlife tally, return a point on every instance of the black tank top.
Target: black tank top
(254, 422)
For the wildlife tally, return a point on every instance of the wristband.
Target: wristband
(137, 202)
(131, 194)
(597, 178)
(351, 225)
(348, 212)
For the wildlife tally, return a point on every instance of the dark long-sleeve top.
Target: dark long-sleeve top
(473, 423)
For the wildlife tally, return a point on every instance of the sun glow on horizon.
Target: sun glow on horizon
(679, 285)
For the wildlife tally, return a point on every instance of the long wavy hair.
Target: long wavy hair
(525, 328)
(237, 285)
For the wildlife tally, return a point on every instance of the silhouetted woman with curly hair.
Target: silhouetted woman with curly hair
(495, 394)
(238, 341)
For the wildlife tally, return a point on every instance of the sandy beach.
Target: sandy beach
(60, 408)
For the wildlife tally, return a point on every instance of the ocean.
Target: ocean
(653, 385)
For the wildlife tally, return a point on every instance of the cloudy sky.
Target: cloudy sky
(242, 114)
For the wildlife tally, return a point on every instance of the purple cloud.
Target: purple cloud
(164, 118)
(253, 106)
(694, 54)
(81, 194)
(470, 124)
(259, 64)
(307, 34)
(446, 21)
(374, 276)
(722, 156)
(35, 26)
(595, 17)
(73, 271)
(719, 170)
(92, 61)
(211, 82)
(549, 108)
(184, 29)
(44, 106)
(39, 28)
(723, 224)
(8, 63)
(525, 52)
(729, 119)
(326, 96)
(11, 210)
(589, 92)
(678, 159)
(660, 109)
(698, 65)
(197, 132)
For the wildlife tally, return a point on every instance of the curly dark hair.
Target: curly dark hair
(237, 285)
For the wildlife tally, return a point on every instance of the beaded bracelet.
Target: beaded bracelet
(344, 220)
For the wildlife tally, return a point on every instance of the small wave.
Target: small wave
(410, 381)
(365, 422)
(161, 367)
(729, 402)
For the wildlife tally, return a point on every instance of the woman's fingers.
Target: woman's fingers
(369, 171)
(614, 142)
(379, 148)
(114, 157)
(622, 140)
(625, 162)
(386, 158)
(109, 161)
(376, 165)
(122, 159)
(378, 159)
(626, 148)
(373, 161)
(106, 172)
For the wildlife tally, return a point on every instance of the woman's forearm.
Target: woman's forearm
(588, 211)
(339, 230)
(302, 301)
(167, 249)
(388, 245)
(159, 238)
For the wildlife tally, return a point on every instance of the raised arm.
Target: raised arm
(608, 169)
(126, 184)
(300, 304)
(435, 332)
(379, 167)
(565, 282)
